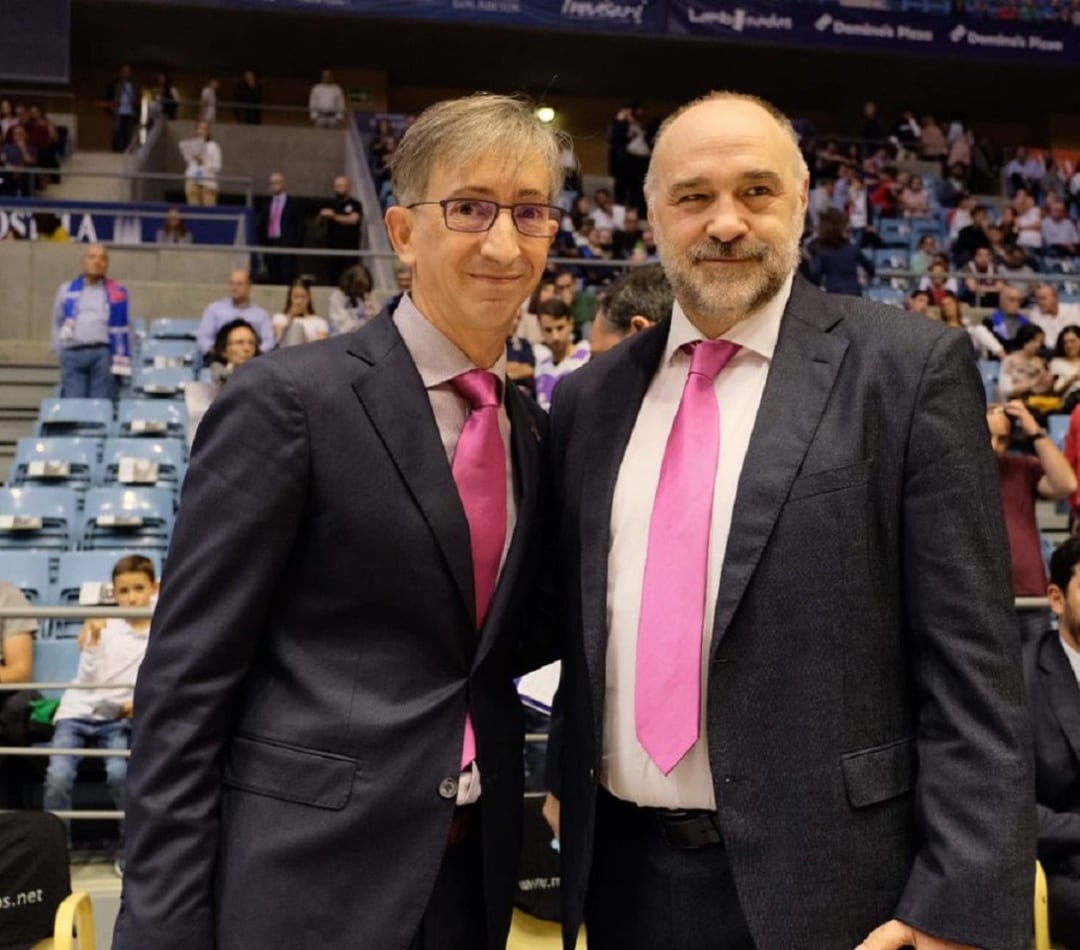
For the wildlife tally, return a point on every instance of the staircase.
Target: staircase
(74, 187)
(28, 374)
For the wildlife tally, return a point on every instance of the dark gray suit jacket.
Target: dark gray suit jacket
(301, 709)
(867, 733)
(1055, 711)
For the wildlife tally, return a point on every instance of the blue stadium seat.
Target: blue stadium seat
(1058, 427)
(169, 352)
(174, 328)
(892, 258)
(118, 518)
(55, 661)
(168, 454)
(894, 232)
(91, 417)
(29, 571)
(33, 518)
(162, 381)
(889, 295)
(923, 226)
(152, 417)
(58, 462)
(74, 568)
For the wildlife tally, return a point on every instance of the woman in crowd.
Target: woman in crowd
(235, 344)
(299, 324)
(833, 261)
(1065, 367)
(203, 157)
(987, 346)
(1024, 373)
(914, 199)
(173, 230)
(351, 302)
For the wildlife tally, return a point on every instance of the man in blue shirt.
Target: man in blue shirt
(237, 306)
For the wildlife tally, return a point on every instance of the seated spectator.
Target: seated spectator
(1024, 372)
(351, 302)
(1005, 322)
(1051, 673)
(639, 299)
(582, 305)
(627, 239)
(1024, 480)
(933, 146)
(18, 155)
(1053, 186)
(961, 216)
(1016, 270)
(173, 230)
(972, 237)
(326, 102)
(403, 280)
(559, 355)
(983, 287)
(1028, 220)
(822, 196)
(1025, 171)
(298, 323)
(520, 358)
(959, 157)
(985, 344)
(1059, 234)
(1052, 315)
(16, 641)
(236, 343)
(50, 228)
(885, 197)
(605, 213)
(855, 206)
(937, 284)
(43, 138)
(112, 652)
(834, 261)
(1065, 367)
(202, 156)
(918, 302)
(237, 306)
(924, 255)
(914, 199)
(1009, 233)
(7, 117)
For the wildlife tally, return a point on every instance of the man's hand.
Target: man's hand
(1015, 409)
(551, 813)
(326, 213)
(896, 934)
(127, 710)
(90, 634)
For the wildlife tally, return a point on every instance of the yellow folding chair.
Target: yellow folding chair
(1042, 910)
(73, 926)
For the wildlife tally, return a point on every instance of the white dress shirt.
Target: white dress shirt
(626, 769)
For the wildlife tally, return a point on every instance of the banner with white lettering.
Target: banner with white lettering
(116, 223)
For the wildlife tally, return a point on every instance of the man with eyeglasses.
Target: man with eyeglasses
(329, 746)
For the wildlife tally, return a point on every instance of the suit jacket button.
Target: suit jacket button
(448, 788)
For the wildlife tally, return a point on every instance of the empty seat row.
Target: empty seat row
(58, 519)
(80, 462)
(94, 417)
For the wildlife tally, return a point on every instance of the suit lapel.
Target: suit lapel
(804, 367)
(1063, 691)
(525, 445)
(625, 385)
(393, 396)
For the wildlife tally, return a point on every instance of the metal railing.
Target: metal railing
(244, 183)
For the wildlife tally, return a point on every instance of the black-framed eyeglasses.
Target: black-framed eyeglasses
(475, 215)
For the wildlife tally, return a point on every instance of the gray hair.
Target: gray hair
(718, 95)
(463, 130)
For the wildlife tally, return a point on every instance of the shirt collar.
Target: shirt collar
(757, 333)
(436, 356)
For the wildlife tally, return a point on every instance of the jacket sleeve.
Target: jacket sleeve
(241, 508)
(972, 877)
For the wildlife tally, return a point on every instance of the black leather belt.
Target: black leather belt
(688, 830)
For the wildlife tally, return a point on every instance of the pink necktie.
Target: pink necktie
(275, 217)
(667, 694)
(480, 472)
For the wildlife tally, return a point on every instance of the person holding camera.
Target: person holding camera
(1025, 479)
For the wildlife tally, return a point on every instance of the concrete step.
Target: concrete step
(74, 187)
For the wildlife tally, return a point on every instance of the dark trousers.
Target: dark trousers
(123, 129)
(645, 894)
(86, 372)
(1064, 902)
(280, 268)
(454, 918)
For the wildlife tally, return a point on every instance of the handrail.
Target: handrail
(245, 180)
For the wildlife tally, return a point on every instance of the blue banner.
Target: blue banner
(813, 24)
(116, 223)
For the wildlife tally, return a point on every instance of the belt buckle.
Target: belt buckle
(685, 831)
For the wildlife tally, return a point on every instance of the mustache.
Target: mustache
(741, 248)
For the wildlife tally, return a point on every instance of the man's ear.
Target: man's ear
(400, 223)
(1056, 596)
(639, 323)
